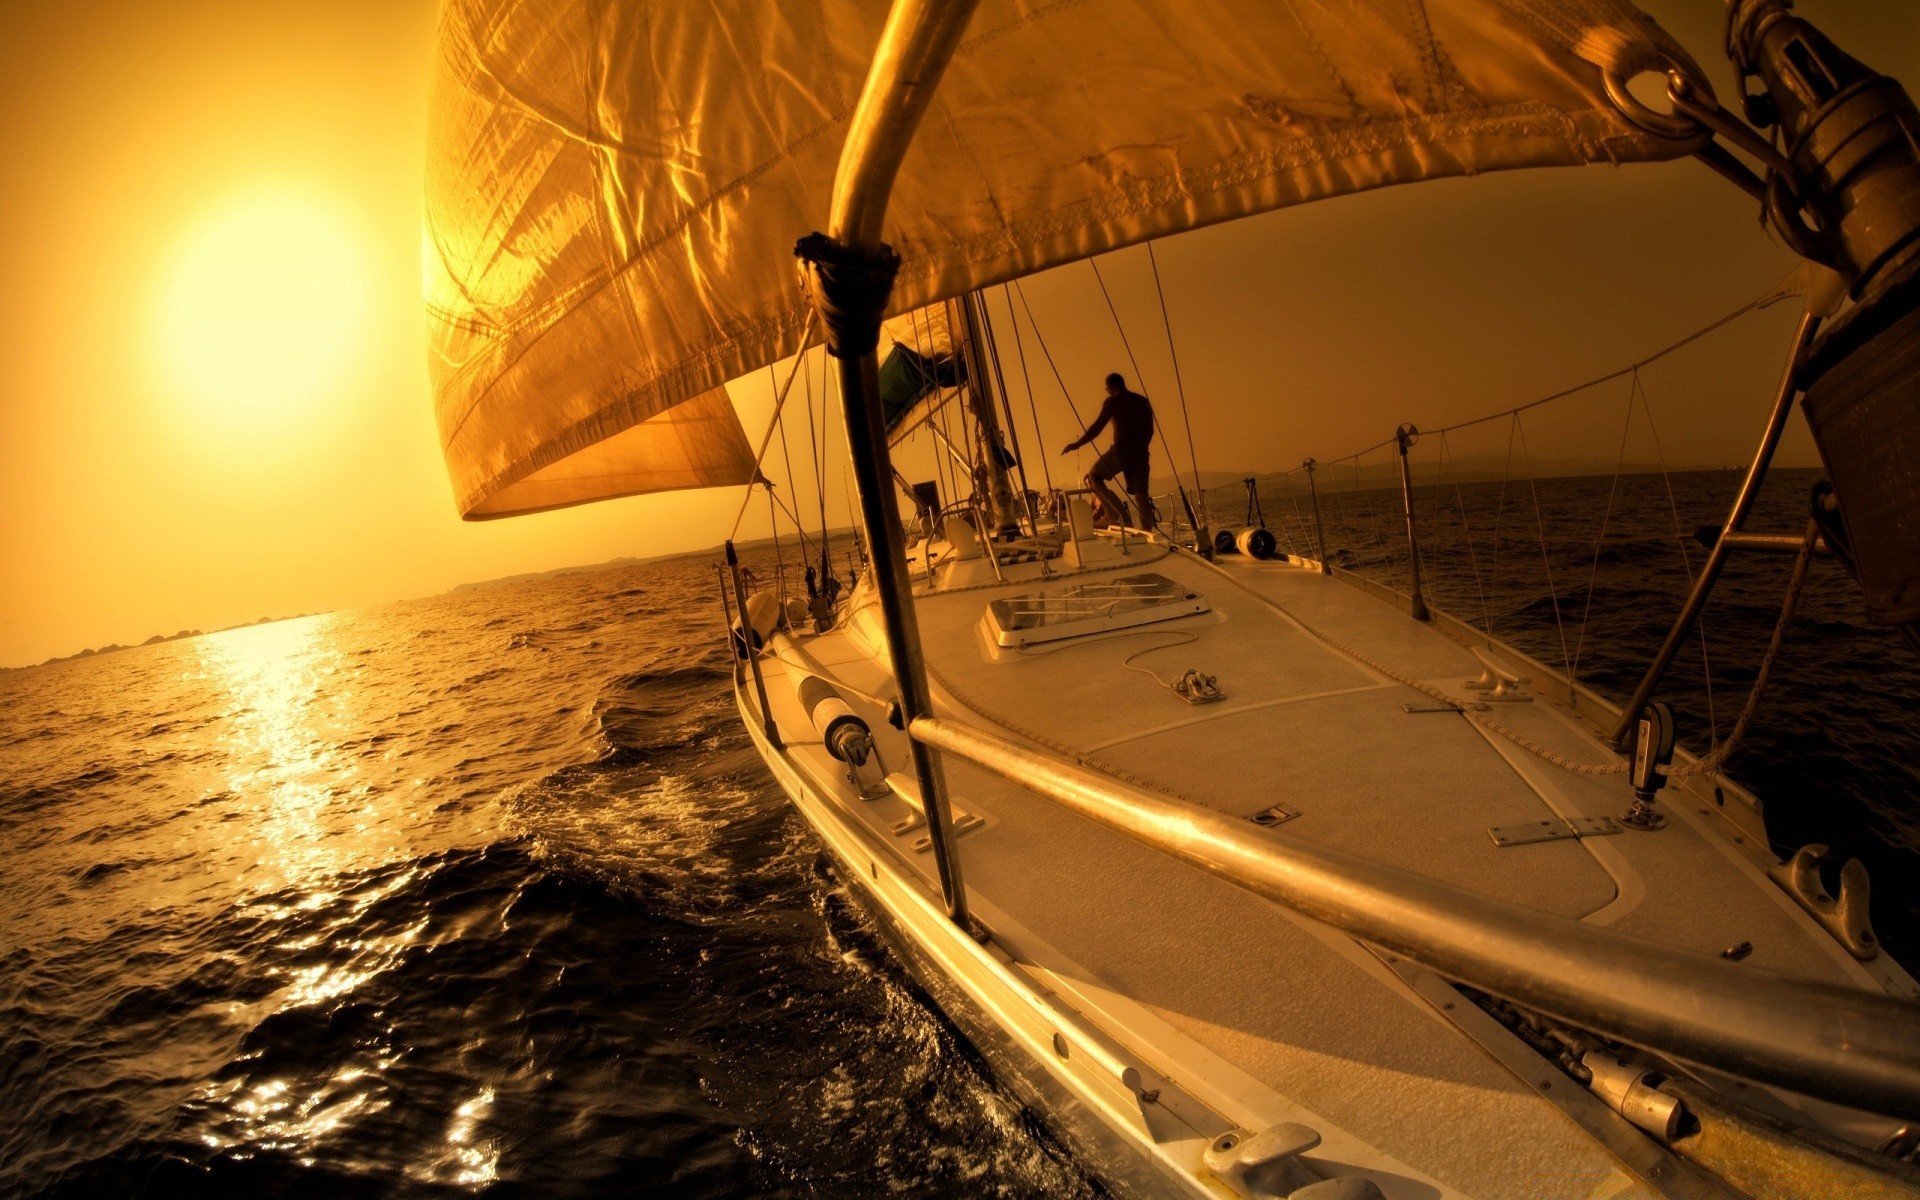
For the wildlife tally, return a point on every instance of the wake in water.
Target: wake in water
(368, 963)
(488, 894)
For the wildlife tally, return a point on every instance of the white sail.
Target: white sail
(614, 192)
(694, 444)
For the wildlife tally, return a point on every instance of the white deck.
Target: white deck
(1217, 989)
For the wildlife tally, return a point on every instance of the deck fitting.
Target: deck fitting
(1555, 830)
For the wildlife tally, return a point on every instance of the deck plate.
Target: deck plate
(1528, 832)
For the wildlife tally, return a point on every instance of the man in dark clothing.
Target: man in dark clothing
(1131, 415)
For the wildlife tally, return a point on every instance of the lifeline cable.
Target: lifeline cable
(1686, 560)
(1546, 558)
(1473, 557)
(1593, 574)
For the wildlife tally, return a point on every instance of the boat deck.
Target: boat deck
(1178, 963)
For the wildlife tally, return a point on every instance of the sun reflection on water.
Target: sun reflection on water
(283, 698)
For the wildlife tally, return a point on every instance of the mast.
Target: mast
(1002, 508)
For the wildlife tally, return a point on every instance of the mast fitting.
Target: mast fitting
(849, 287)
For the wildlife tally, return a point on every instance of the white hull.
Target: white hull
(1145, 1009)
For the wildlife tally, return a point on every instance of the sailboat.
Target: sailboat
(1494, 936)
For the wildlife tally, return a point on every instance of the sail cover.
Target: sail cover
(921, 369)
(613, 191)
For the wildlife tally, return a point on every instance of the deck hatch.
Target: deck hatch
(1097, 606)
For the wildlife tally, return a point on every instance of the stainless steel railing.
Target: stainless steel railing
(1852, 1047)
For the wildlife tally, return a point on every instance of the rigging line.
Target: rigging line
(1117, 324)
(1006, 406)
(1293, 499)
(1041, 338)
(792, 484)
(779, 555)
(1186, 415)
(1473, 557)
(1630, 368)
(781, 422)
(1606, 517)
(1686, 559)
(968, 433)
(1499, 512)
(829, 386)
(1717, 757)
(800, 356)
(1026, 381)
(921, 323)
(1165, 442)
(1384, 533)
(791, 514)
(1546, 558)
(819, 477)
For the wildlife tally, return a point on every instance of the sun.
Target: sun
(262, 313)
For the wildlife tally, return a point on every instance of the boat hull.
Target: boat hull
(937, 954)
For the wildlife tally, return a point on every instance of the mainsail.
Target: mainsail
(614, 193)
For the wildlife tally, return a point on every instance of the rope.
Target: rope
(1183, 639)
(1629, 369)
(937, 424)
(1026, 381)
(779, 555)
(1006, 406)
(1172, 462)
(1186, 415)
(1686, 559)
(1717, 757)
(1040, 338)
(1593, 574)
(800, 356)
(1546, 558)
(819, 476)
(791, 515)
(1473, 558)
(1499, 513)
(780, 423)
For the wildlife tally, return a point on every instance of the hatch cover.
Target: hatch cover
(1098, 606)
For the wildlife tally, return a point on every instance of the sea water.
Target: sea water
(487, 893)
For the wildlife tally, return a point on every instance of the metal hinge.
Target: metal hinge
(1553, 831)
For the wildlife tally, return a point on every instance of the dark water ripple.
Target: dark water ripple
(487, 894)
(483, 894)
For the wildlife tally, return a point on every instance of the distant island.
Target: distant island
(1344, 476)
(156, 639)
(841, 535)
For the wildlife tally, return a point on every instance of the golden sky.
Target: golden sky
(213, 396)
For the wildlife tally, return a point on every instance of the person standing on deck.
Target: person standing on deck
(1131, 415)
